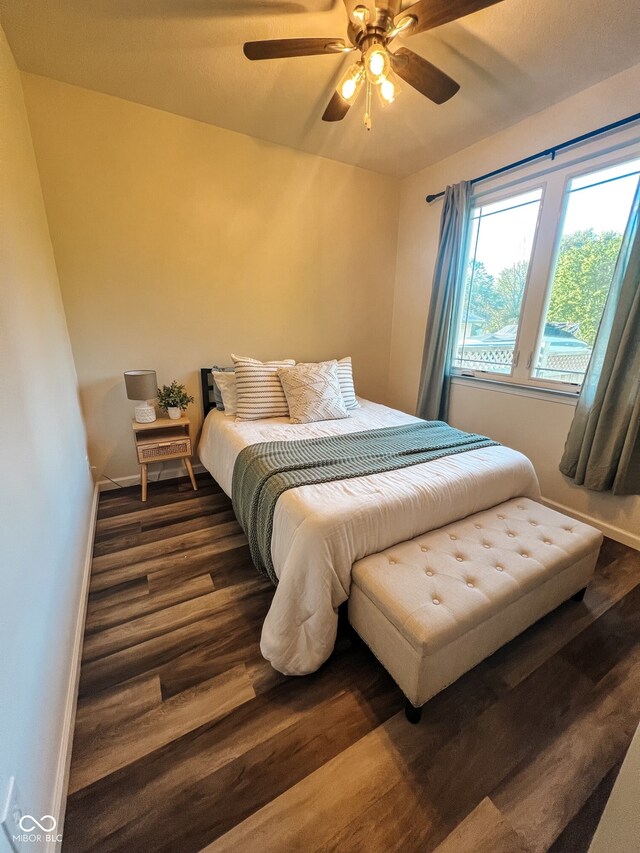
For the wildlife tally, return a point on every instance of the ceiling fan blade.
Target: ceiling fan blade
(434, 13)
(423, 76)
(281, 48)
(337, 108)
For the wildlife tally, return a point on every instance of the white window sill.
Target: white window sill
(555, 395)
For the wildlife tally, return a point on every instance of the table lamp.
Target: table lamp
(142, 385)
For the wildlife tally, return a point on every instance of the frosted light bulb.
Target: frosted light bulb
(388, 90)
(348, 88)
(376, 63)
(351, 83)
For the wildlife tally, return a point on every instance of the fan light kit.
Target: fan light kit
(351, 83)
(371, 30)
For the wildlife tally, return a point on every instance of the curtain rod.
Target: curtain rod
(547, 152)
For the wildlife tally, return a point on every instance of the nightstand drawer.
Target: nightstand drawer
(154, 450)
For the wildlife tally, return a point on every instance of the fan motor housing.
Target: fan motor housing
(373, 33)
(369, 38)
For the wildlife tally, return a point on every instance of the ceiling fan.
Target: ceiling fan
(371, 31)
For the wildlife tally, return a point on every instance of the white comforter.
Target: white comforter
(320, 531)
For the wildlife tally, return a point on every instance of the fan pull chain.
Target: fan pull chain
(367, 106)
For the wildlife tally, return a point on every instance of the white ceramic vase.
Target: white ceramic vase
(174, 413)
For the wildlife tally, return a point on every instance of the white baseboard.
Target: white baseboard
(134, 479)
(609, 530)
(59, 800)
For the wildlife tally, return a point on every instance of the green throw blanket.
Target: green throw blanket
(262, 472)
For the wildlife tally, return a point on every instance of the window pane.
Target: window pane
(500, 247)
(596, 213)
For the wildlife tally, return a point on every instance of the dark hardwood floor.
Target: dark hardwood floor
(186, 739)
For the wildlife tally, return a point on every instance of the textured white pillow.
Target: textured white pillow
(258, 388)
(226, 383)
(345, 377)
(313, 392)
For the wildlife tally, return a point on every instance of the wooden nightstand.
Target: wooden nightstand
(162, 439)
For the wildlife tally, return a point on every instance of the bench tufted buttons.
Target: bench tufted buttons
(520, 506)
(465, 617)
(501, 517)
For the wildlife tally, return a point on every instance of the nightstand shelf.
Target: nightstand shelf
(160, 440)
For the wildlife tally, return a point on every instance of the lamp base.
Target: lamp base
(145, 413)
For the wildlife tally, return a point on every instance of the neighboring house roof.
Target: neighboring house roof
(556, 335)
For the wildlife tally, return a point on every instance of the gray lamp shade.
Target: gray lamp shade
(141, 384)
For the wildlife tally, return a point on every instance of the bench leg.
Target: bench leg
(579, 595)
(412, 713)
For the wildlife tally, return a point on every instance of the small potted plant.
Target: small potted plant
(173, 399)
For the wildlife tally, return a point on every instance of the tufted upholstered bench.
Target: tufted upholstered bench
(433, 607)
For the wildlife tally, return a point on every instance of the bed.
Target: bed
(319, 531)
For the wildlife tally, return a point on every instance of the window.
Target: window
(501, 241)
(540, 265)
(597, 207)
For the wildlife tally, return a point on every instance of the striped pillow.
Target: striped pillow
(345, 378)
(259, 390)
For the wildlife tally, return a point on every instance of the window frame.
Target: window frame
(554, 180)
(521, 190)
(566, 195)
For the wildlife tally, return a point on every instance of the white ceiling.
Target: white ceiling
(185, 56)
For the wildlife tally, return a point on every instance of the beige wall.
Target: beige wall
(178, 242)
(537, 428)
(46, 488)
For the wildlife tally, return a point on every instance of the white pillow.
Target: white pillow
(345, 378)
(313, 392)
(226, 383)
(258, 388)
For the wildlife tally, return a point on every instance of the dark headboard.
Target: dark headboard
(206, 383)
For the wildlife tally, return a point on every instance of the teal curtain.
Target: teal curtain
(446, 292)
(603, 447)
